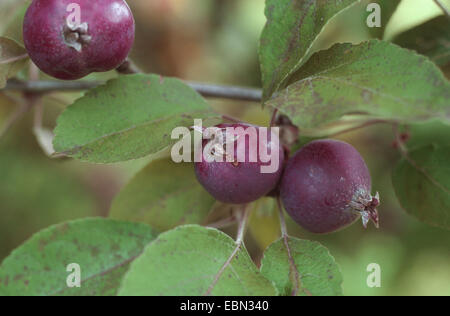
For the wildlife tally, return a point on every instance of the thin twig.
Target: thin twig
(49, 86)
(443, 8)
(128, 67)
(205, 89)
(226, 92)
(274, 117)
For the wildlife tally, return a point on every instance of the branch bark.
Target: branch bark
(207, 90)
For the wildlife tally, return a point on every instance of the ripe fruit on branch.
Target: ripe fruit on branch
(326, 186)
(240, 164)
(70, 39)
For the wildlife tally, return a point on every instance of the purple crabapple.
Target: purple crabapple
(238, 178)
(70, 39)
(326, 186)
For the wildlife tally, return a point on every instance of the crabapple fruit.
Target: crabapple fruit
(70, 39)
(238, 176)
(326, 186)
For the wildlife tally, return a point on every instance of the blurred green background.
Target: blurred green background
(216, 41)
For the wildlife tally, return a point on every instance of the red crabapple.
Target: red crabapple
(326, 186)
(69, 39)
(239, 178)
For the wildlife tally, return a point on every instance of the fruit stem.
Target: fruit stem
(242, 218)
(274, 118)
(283, 226)
(128, 67)
(285, 236)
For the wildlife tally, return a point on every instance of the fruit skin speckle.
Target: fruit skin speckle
(101, 42)
(238, 182)
(326, 187)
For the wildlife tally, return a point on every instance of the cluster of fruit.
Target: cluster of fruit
(325, 186)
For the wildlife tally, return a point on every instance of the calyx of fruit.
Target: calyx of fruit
(366, 205)
(76, 36)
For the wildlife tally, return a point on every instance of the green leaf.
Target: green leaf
(419, 175)
(103, 249)
(434, 132)
(291, 29)
(193, 260)
(422, 184)
(431, 39)
(164, 195)
(13, 57)
(373, 78)
(128, 118)
(301, 267)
